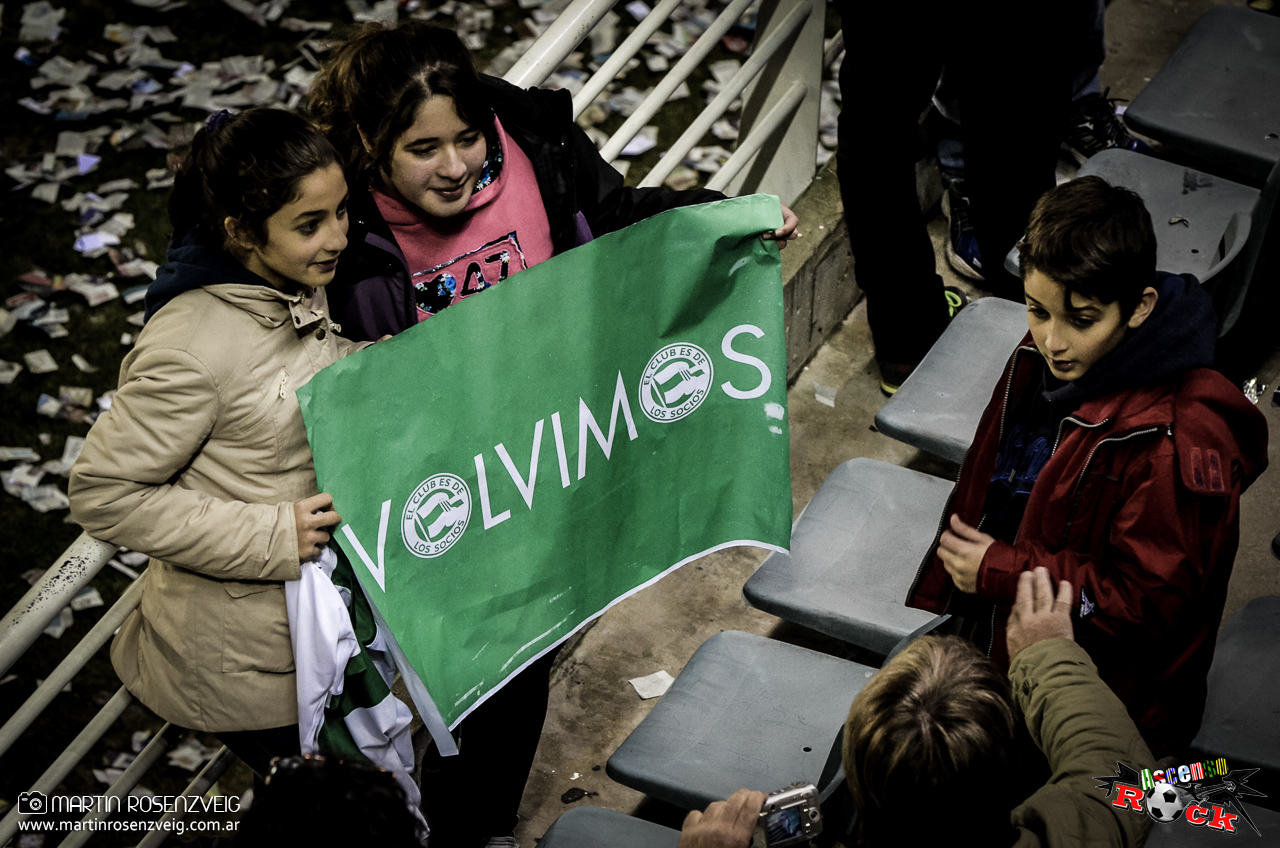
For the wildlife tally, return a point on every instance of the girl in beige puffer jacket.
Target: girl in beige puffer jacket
(202, 461)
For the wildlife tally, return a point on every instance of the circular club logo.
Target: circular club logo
(436, 515)
(675, 382)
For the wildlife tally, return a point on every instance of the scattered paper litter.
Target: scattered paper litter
(48, 499)
(652, 685)
(122, 760)
(60, 624)
(8, 372)
(48, 192)
(724, 70)
(682, 177)
(132, 558)
(107, 775)
(40, 362)
(86, 598)
(644, 141)
(189, 754)
(824, 394)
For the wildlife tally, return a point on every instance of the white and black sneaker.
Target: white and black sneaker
(962, 244)
(1097, 127)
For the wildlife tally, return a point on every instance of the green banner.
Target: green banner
(525, 459)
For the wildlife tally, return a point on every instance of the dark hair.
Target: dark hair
(319, 800)
(377, 79)
(245, 167)
(935, 725)
(1093, 238)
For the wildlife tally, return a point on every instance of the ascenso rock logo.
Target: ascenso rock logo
(1204, 794)
(673, 385)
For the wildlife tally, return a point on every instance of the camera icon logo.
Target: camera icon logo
(32, 803)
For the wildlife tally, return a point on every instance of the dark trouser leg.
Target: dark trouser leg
(893, 55)
(257, 748)
(1015, 97)
(476, 795)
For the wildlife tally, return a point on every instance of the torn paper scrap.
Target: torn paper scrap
(824, 394)
(645, 140)
(652, 685)
(40, 362)
(87, 598)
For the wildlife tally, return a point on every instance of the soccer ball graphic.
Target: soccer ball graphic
(1165, 802)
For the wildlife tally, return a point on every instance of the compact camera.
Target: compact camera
(790, 816)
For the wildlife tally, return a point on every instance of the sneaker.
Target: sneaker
(502, 842)
(1097, 127)
(893, 375)
(962, 244)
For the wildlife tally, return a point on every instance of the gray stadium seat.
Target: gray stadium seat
(1179, 834)
(1223, 243)
(746, 711)
(1218, 95)
(1217, 211)
(1242, 713)
(1241, 723)
(596, 827)
(855, 551)
(938, 407)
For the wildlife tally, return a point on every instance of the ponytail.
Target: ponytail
(245, 167)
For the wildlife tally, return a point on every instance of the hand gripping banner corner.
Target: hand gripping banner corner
(513, 467)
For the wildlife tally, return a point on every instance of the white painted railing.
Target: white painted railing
(21, 626)
(780, 83)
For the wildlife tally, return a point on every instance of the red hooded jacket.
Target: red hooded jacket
(1138, 507)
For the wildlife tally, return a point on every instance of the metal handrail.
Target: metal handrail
(557, 42)
(23, 624)
(833, 48)
(750, 146)
(678, 74)
(760, 57)
(197, 788)
(124, 784)
(74, 661)
(623, 54)
(72, 754)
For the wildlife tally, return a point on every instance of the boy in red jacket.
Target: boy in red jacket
(1111, 454)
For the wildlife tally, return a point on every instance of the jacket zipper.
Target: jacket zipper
(946, 509)
(1123, 437)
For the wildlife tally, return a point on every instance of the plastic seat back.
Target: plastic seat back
(854, 554)
(597, 827)
(1218, 95)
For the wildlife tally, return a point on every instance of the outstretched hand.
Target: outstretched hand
(787, 232)
(315, 517)
(1037, 614)
(725, 824)
(961, 549)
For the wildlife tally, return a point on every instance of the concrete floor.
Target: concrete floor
(593, 708)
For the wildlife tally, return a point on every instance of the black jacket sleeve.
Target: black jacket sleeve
(572, 176)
